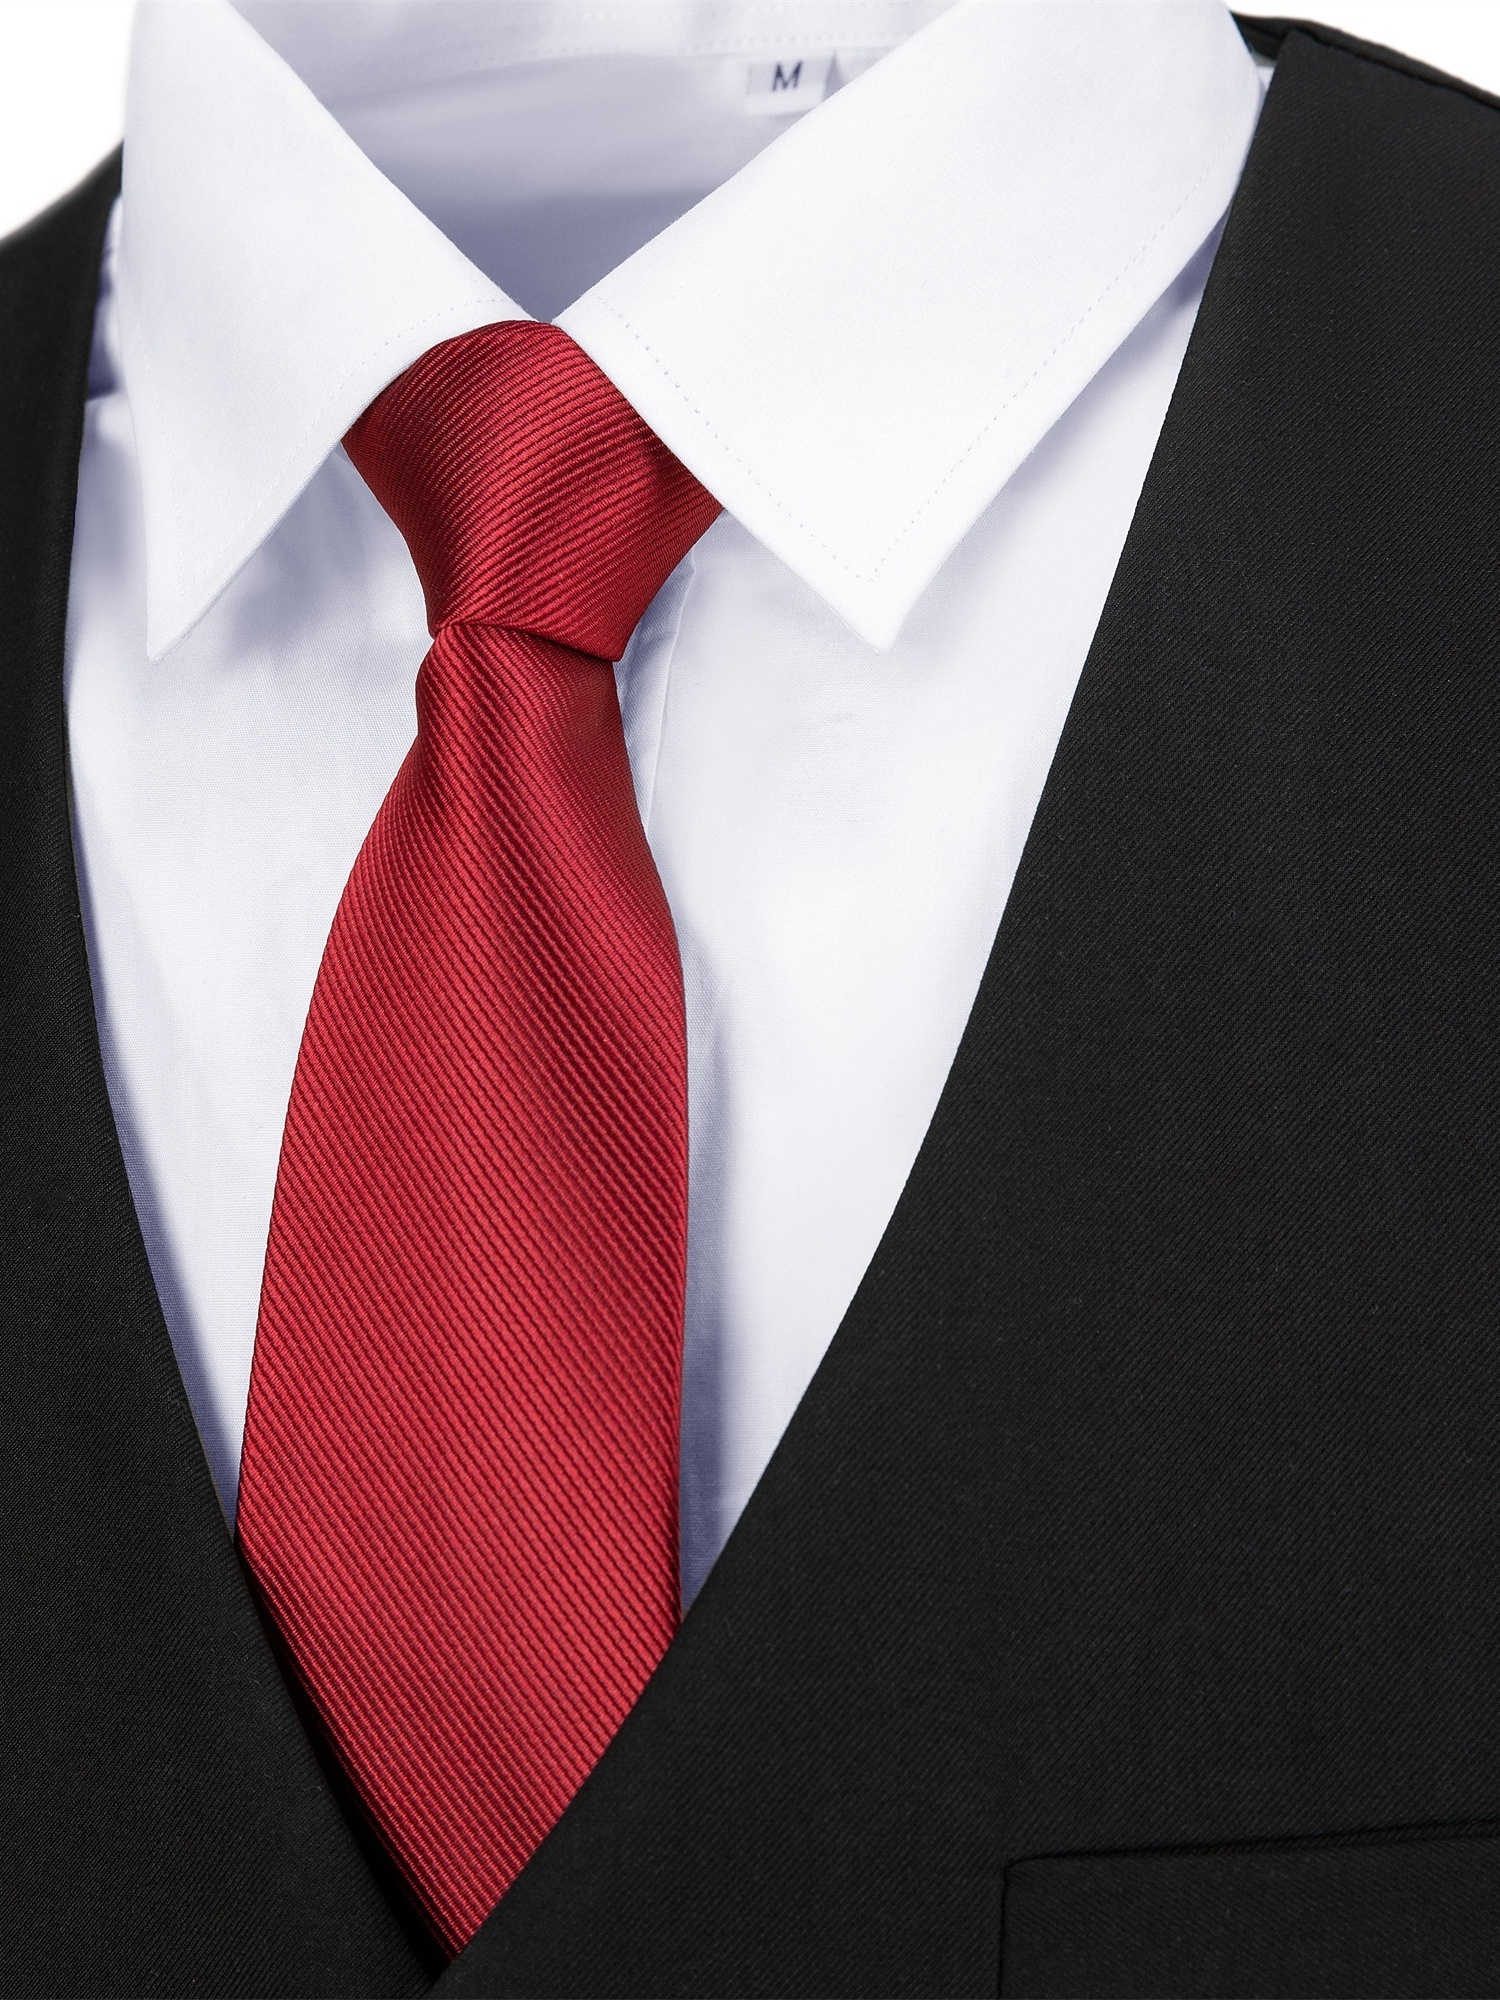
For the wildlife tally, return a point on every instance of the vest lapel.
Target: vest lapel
(164, 1826)
(1150, 1493)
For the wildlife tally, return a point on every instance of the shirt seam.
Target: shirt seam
(679, 613)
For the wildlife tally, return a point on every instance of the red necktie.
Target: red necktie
(458, 1494)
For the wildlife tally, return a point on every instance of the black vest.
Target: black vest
(1121, 1611)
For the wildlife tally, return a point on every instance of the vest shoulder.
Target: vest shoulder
(1354, 60)
(54, 250)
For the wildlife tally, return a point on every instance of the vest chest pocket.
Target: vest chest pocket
(1409, 1912)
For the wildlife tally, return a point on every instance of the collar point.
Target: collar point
(170, 615)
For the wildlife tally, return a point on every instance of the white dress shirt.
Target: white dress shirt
(912, 311)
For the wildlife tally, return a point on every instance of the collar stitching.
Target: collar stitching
(871, 575)
(1047, 361)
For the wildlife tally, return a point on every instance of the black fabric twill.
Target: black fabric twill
(1409, 1911)
(1121, 1611)
(164, 1825)
(1149, 1496)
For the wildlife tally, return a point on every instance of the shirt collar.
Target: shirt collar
(853, 343)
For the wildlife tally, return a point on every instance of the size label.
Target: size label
(779, 89)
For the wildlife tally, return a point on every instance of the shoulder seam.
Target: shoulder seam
(1266, 33)
(96, 184)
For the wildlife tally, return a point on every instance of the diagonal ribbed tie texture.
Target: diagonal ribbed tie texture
(458, 1495)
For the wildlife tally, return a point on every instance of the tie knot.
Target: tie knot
(529, 492)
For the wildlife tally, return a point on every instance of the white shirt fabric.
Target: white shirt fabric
(919, 339)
